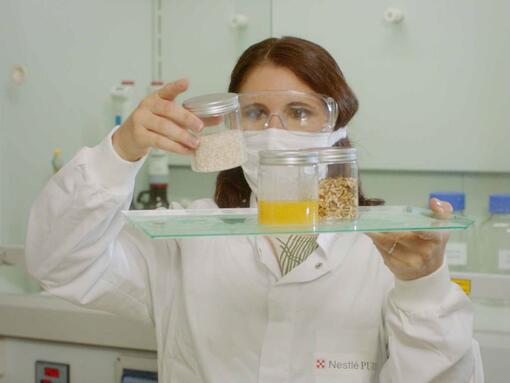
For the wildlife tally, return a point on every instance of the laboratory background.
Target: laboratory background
(433, 84)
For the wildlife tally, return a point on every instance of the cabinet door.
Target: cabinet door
(73, 52)
(433, 89)
(199, 42)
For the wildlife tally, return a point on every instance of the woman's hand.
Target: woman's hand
(412, 255)
(158, 122)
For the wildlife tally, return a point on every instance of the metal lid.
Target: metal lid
(212, 104)
(334, 154)
(288, 157)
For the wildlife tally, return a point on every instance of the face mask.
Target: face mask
(280, 139)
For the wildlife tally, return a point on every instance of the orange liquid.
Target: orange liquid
(288, 212)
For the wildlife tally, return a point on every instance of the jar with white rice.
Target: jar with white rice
(221, 141)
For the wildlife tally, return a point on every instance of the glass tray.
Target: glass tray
(223, 222)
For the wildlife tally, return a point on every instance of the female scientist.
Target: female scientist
(356, 308)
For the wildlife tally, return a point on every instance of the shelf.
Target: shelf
(226, 222)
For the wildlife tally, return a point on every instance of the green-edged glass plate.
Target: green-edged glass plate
(224, 222)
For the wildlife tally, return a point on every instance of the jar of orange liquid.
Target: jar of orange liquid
(288, 192)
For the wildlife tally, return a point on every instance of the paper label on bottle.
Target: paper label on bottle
(504, 259)
(456, 253)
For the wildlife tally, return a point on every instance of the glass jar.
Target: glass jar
(221, 141)
(494, 236)
(288, 187)
(457, 252)
(338, 183)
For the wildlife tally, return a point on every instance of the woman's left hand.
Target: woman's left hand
(414, 254)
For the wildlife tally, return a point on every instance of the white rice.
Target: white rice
(219, 151)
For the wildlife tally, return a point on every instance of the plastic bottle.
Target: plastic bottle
(494, 236)
(123, 100)
(158, 162)
(56, 161)
(157, 194)
(154, 86)
(457, 252)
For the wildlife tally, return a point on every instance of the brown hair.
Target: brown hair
(310, 63)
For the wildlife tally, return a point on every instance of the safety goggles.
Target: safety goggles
(290, 110)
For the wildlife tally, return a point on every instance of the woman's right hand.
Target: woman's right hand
(158, 122)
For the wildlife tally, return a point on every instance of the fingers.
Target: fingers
(441, 209)
(394, 254)
(385, 239)
(410, 242)
(160, 142)
(169, 130)
(405, 263)
(174, 112)
(171, 90)
(408, 238)
(397, 260)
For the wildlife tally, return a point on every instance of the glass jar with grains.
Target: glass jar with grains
(287, 187)
(338, 183)
(221, 141)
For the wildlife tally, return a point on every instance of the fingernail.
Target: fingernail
(195, 142)
(439, 203)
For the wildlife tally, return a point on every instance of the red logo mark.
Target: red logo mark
(320, 363)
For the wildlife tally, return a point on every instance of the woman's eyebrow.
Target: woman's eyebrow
(299, 103)
(258, 104)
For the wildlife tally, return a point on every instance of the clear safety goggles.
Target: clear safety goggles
(290, 110)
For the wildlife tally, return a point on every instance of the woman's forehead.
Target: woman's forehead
(270, 77)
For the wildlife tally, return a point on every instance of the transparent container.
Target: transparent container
(288, 192)
(459, 255)
(221, 141)
(338, 184)
(494, 236)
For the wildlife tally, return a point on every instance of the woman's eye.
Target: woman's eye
(300, 113)
(254, 114)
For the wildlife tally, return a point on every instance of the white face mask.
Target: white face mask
(280, 139)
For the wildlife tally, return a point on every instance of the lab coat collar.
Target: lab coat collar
(333, 247)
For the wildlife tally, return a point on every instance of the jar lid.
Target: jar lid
(456, 199)
(288, 157)
(334, 154)
(212, 104)
(499, 203)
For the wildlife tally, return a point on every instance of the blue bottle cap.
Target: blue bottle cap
(499, 203)
(456, 199)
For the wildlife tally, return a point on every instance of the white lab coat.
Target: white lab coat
(222, 312)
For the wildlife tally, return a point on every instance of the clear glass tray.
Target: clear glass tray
(223, 222)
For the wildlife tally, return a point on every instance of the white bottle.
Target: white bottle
(494, 236)
(154, 86)
(56, 161)
(123, 100)
(158, 159)
(456, 251)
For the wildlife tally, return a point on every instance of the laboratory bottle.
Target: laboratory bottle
(221, 144)
(154, 86)
(457, 252)
(123, 100)
(157, 194)
(288, 187)
(338, 183)
(494, 236)
(56, 161)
